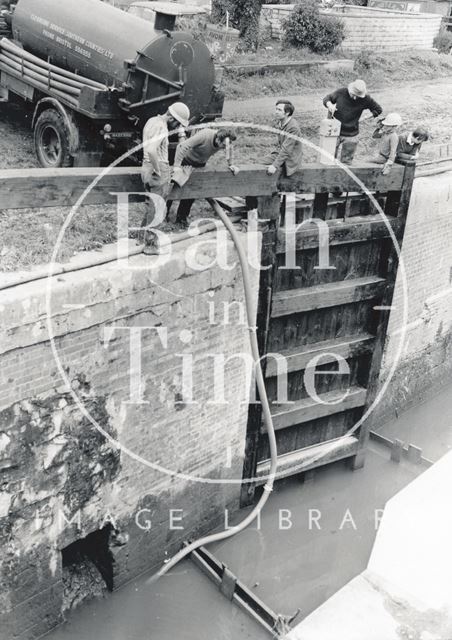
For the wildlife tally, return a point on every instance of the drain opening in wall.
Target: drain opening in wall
(87, 568)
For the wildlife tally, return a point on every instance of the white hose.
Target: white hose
(215, 537)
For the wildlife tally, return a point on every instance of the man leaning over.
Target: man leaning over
(194, 153)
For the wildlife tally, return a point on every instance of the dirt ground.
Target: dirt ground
(424, 103)
(421, 103)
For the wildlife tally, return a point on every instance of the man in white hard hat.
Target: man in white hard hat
(347, 105)
(387, 150)
(155, 171)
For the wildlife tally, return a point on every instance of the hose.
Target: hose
(42, 71)
(28, 74)
(223, 535)
(9, 46)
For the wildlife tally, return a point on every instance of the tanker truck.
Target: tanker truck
(95, 74)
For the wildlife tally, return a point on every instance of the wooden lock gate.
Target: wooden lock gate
(311, 315)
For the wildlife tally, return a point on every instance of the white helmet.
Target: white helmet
(393, 120)
(180, 112)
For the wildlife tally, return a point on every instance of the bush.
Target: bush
(364, 60)
(305, 27)
(443, 41)
(329, 36)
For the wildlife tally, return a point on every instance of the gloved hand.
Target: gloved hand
(234, 170)
(271, 170)
(387, 168)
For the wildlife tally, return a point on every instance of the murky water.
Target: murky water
(312, 539)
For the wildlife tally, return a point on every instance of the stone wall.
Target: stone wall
(272, 17)
(380, 30)
(152, 451)
(368, 28)
(425, 362)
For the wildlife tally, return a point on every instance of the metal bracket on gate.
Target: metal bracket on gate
(235, 591)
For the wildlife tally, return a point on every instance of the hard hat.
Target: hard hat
(180, 112)
(358, 88)
(392, 120)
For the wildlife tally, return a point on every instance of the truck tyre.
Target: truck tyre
(52, 140)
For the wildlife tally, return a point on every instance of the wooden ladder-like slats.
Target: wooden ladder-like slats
(309, 457)
(298, 358)
(355, 229)
(326, 295)
(309, 409)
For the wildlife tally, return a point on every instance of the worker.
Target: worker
(347, 105)
(287, 155)
(410, 143)
(194, 152)
(388, 133)
(155, 171)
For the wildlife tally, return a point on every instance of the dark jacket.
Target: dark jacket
(288, 153)
(349, 111)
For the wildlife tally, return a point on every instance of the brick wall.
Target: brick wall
(426, 360)
(56, 466)
(378, 30)
(369, 28)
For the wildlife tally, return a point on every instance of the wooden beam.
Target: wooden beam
(316, 178)
(397, 449)
(297, 359)
(309, 458)
(268, 210)
(241, 594)
(309, 409)
(389, 268)
(326, 295)
(32, 188)
(356, 229)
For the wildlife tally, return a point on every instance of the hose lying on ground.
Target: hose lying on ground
(215, 537)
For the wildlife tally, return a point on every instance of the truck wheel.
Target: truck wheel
(52, 140)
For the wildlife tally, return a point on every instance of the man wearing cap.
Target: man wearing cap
(346, 105)
(155, 171)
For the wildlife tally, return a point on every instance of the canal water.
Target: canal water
(313, 538)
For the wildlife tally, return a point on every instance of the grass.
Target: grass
(376, 69)
(28, 236)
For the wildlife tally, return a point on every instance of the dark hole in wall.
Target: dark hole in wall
(87, 568)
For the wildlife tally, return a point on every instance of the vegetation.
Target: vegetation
(443, 41)
(243, 16)
(306, 27)
(377, 69)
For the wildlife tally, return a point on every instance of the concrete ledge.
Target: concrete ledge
(345, 64)
(406, 590)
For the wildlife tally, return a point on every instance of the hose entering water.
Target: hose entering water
(215, 537)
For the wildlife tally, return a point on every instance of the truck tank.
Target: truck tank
(151, 68)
